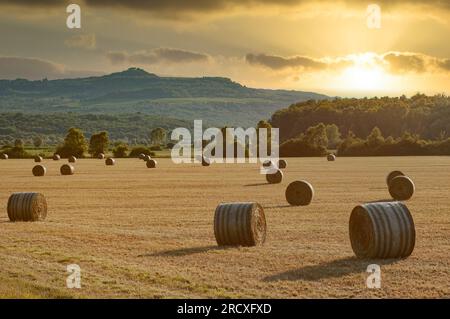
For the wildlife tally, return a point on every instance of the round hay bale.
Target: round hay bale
(101, 156)
(267, 163)
(401, 188)
(27, 207)
(56, 157)
(392, 175)
(331, 157)
(38, 159)
(4, 156)
(72, 159)
(67, 169)
(205, 161)
(142, 156)
(275, 177)
(110, 161)
(240, 224)
(151, 163)
(282, 163)
(382, 230)
(299, 193)
(147, 158)
(39, 170)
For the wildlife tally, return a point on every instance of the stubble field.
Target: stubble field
(148, 233)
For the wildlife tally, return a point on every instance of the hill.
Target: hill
(217, 101)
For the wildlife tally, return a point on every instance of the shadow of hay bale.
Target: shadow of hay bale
(334, 269)
(256, 184)
(186, 251)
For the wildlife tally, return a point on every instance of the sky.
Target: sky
(331, 47)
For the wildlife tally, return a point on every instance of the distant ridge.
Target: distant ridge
(216, 100)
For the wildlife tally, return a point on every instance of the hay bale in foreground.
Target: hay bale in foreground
(331, 157)
(72, 159)
(151, 163)
(4, 156)
(110, 161)
(67, 169)
(275, 177)
(282, 163)
(27, 207)
(299, 193)
(56, 157)
(38, 159)
(101, 156)
(392, 175)
(240, 224)
(382, 230)
(39, 170)
(401, 188)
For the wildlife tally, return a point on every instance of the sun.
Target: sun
(361, 77)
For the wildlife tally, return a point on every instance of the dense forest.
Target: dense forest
(425, 116)
(386, 126)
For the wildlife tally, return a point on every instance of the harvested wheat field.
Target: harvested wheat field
(146, 233)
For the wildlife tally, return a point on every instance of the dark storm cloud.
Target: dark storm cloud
(166, 55)
(177, 7)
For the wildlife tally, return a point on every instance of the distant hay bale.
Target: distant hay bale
(147, 158)
(38, 159)
(151, 163)
(27, 207)
(142, 156)
(205, 161)
(382, 230)
(72, 159)
(67, 169)
(401, 188)
(110, 161)
(56, 157)
(39, 170)
(392, 175)
(299, 193)
(331, 157)
(4, 156)
(101, 156)
(240, 224)
(267, 163)
(275, 177)
(282, 163)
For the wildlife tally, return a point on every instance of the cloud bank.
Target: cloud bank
(160, 55)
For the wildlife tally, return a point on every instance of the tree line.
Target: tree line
(76, 144)
(386, 126)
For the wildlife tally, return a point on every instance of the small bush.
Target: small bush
(155, 148)
(120, 151)
(141, 150)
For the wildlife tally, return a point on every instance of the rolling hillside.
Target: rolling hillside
(217, 101)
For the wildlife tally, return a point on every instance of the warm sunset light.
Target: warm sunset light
(363, 78)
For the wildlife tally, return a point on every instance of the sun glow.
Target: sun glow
(364, 78)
